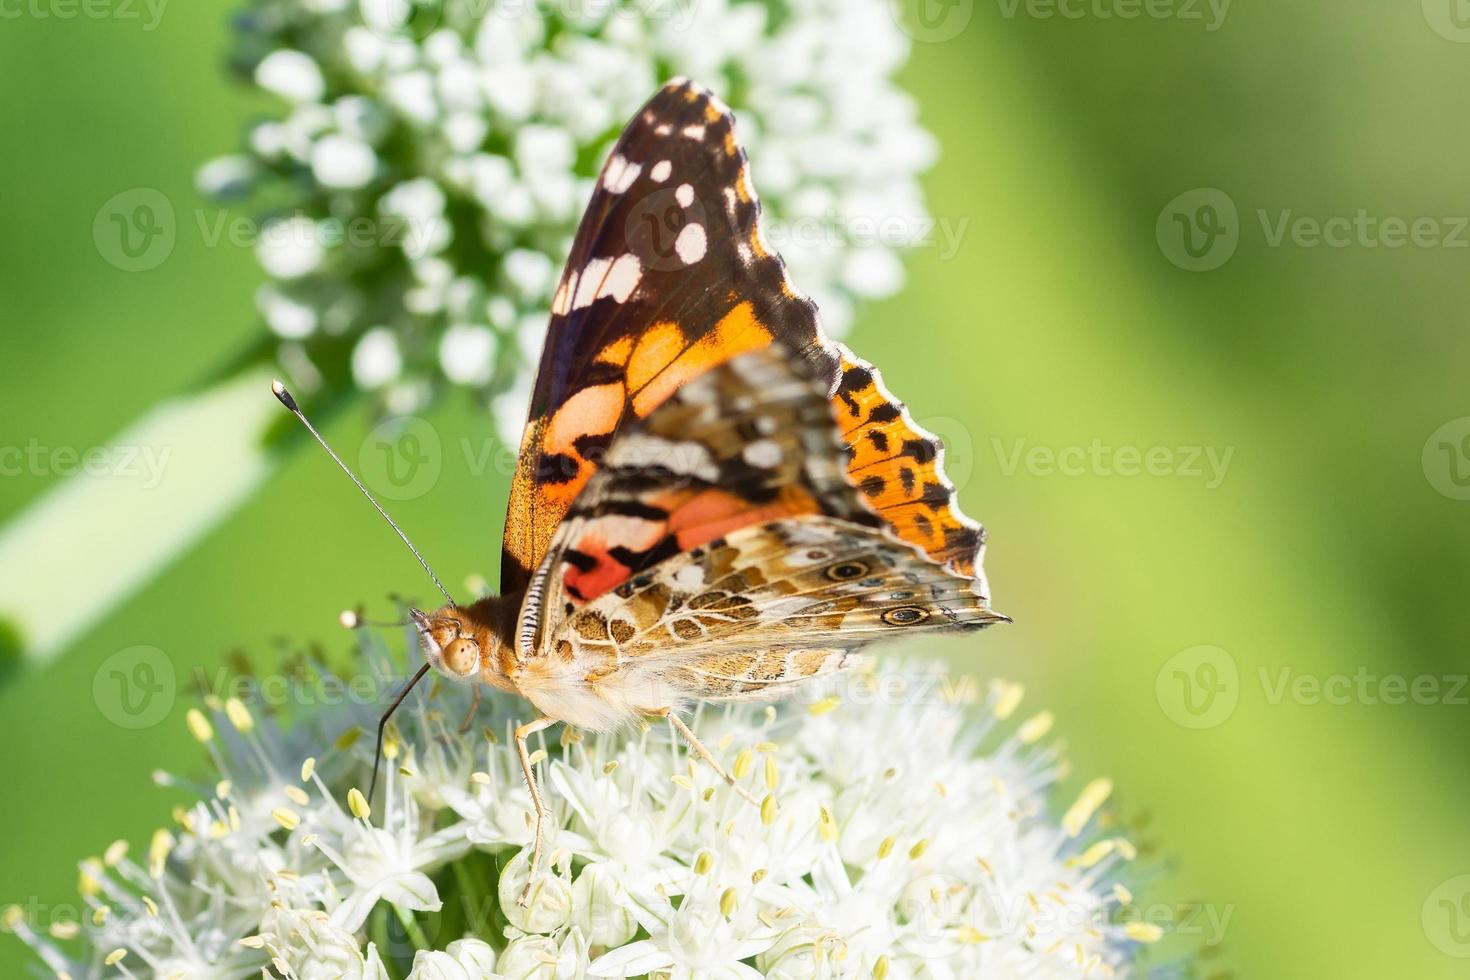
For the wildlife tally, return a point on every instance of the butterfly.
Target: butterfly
(713, 500)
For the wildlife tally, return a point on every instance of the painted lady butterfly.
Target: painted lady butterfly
(713, 500)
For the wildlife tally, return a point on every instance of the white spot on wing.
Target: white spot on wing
(661, 171)
(689, 578)
(620, 174)
(691, 243)
(684, 195)
(763, 453)
(622, 278)
(643, 450)
(590, 282)
(694, 132)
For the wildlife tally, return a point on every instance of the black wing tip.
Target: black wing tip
(685, 92)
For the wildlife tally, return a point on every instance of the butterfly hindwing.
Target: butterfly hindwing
(762, 608)
(899, 467)
(722, 551)
(749, 442)
(668, 276)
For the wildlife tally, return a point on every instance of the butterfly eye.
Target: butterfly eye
(905, 616)
(847, 571)
(461, 657)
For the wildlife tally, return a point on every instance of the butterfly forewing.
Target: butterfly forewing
(668, 276)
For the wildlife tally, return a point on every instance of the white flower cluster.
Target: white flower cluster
(436, 155)
(902, 834)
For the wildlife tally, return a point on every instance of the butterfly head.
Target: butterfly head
(451, 641)
(469, 642)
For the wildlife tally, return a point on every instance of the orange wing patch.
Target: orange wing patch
(660, 367)
(899, 468)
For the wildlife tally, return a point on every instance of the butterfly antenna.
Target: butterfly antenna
(284, 397)
(352, 620)
(383, 725)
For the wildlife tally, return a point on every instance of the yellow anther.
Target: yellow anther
(115, 852)
(823, 706)
(1094, 795)
(358, 804)
(1034, 729)
(1143, 932)
(199, 727)
(239, 716)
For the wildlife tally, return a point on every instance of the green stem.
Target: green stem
(411, 928)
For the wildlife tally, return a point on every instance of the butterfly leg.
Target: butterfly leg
(707, 756)
(469, 716)
(521, 734)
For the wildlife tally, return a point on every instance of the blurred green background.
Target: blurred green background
(1324, 827)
